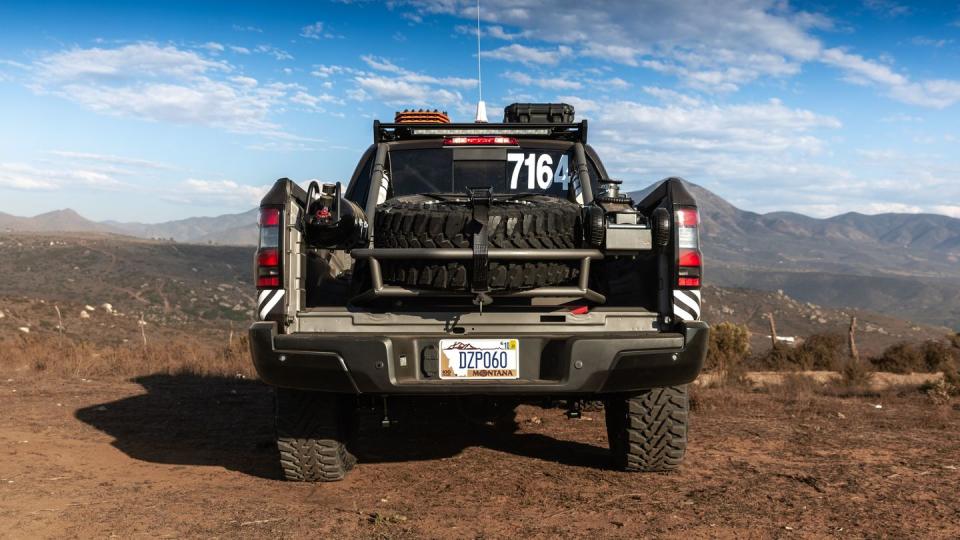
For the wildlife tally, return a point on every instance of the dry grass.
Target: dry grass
(76, 358)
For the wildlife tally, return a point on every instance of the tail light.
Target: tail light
(689, 258)
(268, 267)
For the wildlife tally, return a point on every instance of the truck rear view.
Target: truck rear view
(489, 263)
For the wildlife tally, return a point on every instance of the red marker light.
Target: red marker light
(480, 141)
(267, 282)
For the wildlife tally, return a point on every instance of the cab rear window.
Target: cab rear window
(506, 170)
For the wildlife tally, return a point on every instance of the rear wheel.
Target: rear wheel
(312, 430)
(648, 431)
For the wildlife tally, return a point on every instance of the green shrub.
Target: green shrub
(729, 346)
(821, 352)
(926, 357)
(901, 357)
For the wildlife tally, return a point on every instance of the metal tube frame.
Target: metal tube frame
(379, 290)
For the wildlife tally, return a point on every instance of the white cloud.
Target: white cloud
(275, 52)
(402, 93)
(713, 47)
(314, 101)
(24, 177)
(887, 8)
(242, 28)
(928, 42)
(73, 170)
(315, 31)
(951, 210)
(548, 83)
(213, 47)
(398, 86)
(529, 55)
(405, 75)
(239, 50)
(111, 160)
(162, 83)
(227, 191)
(935, 93)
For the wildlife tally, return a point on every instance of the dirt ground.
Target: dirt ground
(183, 455)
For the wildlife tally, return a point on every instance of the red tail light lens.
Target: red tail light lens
(268, 257)
(269, 217)
(689, 257)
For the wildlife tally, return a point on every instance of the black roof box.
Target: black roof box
(538, 113)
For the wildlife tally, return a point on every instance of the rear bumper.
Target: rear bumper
(550, 365)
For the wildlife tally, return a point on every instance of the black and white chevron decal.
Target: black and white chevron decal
(266, 302)
(686, 304)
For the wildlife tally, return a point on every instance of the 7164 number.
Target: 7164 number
(540, 171)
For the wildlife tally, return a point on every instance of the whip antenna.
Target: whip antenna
(481, 106)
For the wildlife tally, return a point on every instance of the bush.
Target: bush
(954, 340)
(819, 352)
(927, 357)
(729, 346)
(900, 357)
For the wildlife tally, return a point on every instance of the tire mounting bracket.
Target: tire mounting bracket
(480, 203)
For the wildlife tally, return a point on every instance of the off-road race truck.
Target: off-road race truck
(481, 263)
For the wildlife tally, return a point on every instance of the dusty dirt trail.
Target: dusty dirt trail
(175, 456)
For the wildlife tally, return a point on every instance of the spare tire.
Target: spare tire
(516, 222)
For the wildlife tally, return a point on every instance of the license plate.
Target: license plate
(479, 359)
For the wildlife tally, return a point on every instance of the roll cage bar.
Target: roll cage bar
(403, 132)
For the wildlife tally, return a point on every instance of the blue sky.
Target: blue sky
(148, 113)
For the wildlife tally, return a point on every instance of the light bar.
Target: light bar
(481, 131)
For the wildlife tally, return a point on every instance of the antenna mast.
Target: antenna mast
(481, 106)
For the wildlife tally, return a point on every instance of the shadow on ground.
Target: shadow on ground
(187, 419)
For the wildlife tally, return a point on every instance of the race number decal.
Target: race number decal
(540, 171)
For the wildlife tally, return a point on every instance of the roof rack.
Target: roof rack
(576, 132)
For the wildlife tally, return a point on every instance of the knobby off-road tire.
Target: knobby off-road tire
(648, 431)
(312, 429)
(526, 222)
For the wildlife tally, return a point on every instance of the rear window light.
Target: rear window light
(480, 141)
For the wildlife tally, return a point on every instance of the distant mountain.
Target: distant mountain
(228, 229)
(905, 264)
(59, 220)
